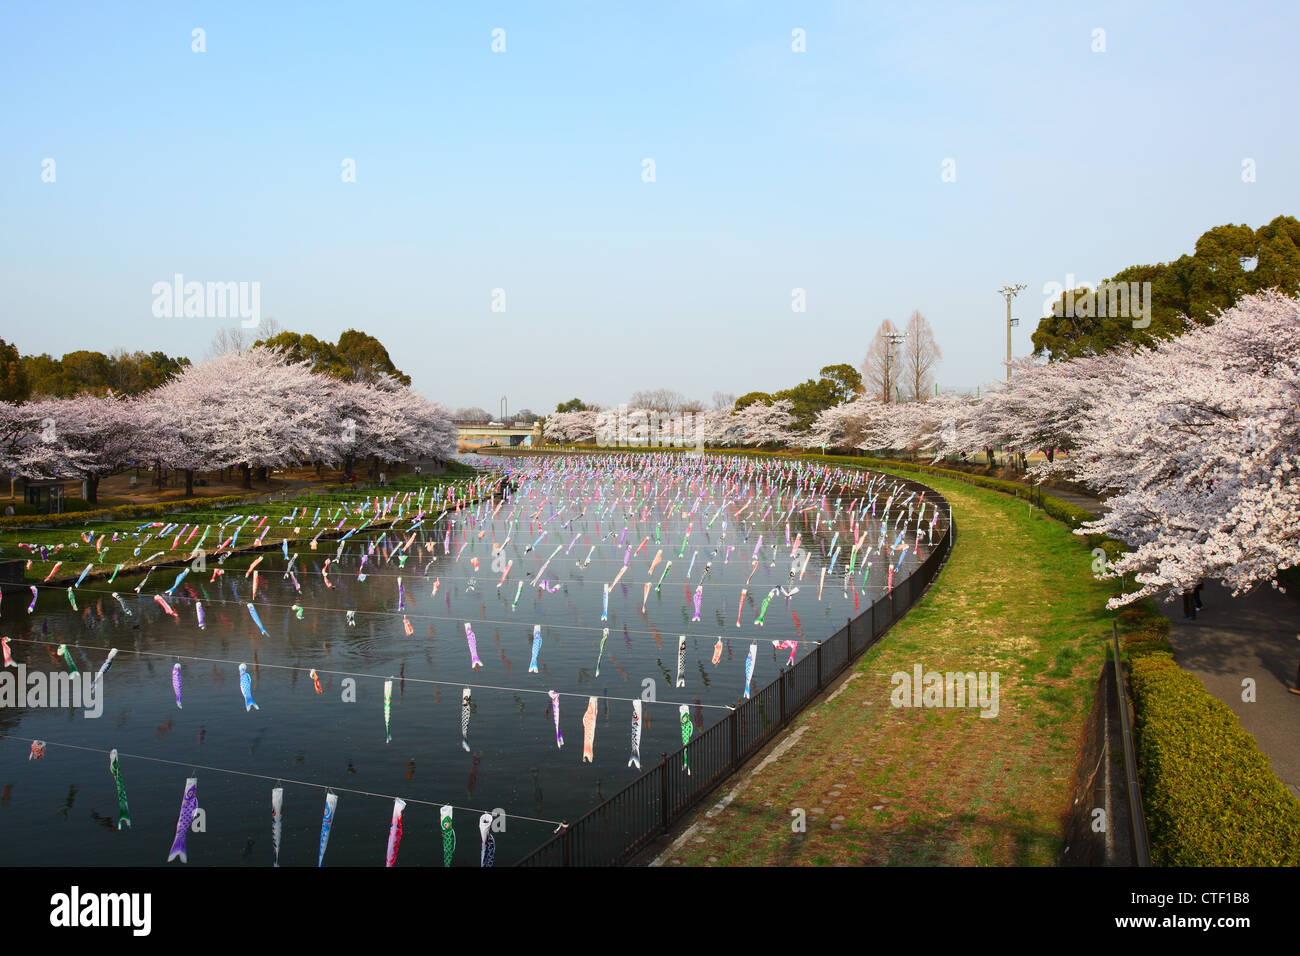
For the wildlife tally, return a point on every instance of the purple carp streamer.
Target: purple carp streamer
(189, 803)
(488, 854)
(475, 663)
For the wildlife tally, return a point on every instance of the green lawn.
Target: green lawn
(924, 786)
(75, 553)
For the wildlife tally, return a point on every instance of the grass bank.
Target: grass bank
(898, 785)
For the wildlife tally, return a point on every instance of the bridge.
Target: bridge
(471, 435)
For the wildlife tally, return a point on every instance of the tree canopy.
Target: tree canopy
(356, 357)
(84, 371)
(13, 374)
(1227, 263)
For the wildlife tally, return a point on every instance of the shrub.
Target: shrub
(1210, 795)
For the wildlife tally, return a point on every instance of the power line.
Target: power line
(335, 673)
(263, 776)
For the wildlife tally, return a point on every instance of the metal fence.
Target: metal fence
(646, 809)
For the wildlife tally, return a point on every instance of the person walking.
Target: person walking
(1296, 688)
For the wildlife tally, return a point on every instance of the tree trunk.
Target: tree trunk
(262, 474)
(189, 482)
(92, 490)
(248, 475)
(347, 465)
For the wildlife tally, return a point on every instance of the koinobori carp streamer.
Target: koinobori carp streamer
(189, 803)
(327, 822)
(246, 688)
(123, 811)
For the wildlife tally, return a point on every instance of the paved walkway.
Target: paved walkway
(1251, 636)
(1255, 636)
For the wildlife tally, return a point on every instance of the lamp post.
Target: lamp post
(1009, 292)
(895, 338)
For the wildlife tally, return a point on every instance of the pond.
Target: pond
(746, 541)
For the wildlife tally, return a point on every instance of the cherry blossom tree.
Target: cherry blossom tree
(251, 408)
(87, 436)
(762, 423)
(387, 421)
(30, 447)
(1044, 406)
(579, 426)
(1198, 443)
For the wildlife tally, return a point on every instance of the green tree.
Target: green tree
(1227, 263)
(356, 357)
(44, 375)
(846, 380)
(572, 405)
(749, 398)
(86, 371)
(131, 373)
(366, 358)
(323, 356)
(14, 386)
(807, 400)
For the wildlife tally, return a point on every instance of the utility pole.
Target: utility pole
(895, 338)
(1009, 292)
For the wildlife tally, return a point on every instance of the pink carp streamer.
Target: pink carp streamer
(475, 664)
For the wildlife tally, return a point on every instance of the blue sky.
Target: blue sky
(522, 171)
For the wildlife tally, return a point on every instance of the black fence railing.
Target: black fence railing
(646, 809)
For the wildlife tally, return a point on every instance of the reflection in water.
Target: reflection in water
(68, 801)
(537, 788)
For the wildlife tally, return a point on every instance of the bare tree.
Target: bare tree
(471, 415)
(723, 400)
(920, 354)
(658, 399)
(236, 338)
(228, 339)
(880, 367)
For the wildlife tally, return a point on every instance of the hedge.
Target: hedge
(118, 512)
(152, 509)
(1210, 795)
